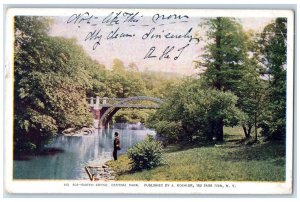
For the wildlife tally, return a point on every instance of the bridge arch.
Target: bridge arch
(111, 111)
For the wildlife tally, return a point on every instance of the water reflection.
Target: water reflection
(78, 152)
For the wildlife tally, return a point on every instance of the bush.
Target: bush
(170, 131)
(146, 154)
(189, 114)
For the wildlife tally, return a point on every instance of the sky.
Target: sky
(134, 49)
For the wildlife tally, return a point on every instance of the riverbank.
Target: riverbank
(67, 156)
(230, 161)
(100, 173)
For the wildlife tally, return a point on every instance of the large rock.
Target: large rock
(87, 131)
(69, 131)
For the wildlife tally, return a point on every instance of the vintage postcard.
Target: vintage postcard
(149, 101)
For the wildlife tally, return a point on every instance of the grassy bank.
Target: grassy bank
(228, 161)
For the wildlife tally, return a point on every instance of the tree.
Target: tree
(224, 59)
(29, 118)
(274, 49)
(133, 67)
(252, 88)
(251, 100)
(98, 75)
(159, 84)
(50, 84)
(188, 112)
(118, 65)
(125, 83)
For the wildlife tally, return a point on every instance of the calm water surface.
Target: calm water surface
(78, 151)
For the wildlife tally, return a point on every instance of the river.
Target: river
(77, 151)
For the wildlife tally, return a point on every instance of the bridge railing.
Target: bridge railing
(98, 102)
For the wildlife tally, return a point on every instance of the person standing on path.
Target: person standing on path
(116, 146)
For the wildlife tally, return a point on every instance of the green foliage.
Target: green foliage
(50, 84)
(158, 84)
(32, 131)
(132, 115)
(54, 75)
(122, 165)
(127, 84)
(224, 59)
(274, 49)
(252, 95)
(118, 65)
(121, 82)
(190, 109)
(98, 75)
(235, 61)
(170, 131)
(146, 154)
(225, 53)
(125, 81)
(259, 162)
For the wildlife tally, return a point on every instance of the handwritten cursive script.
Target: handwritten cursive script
(134, 26)
(166, 54)
(160, 18)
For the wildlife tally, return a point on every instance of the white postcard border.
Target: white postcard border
(67, 186)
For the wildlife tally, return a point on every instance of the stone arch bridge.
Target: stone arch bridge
(103, 109)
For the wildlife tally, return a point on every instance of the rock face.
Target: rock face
(100, 173)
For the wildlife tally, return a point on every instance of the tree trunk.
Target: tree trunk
(217, 83)
(210, 131)
(189, 130)
(219, 130)
(255, 126)
(247, 132)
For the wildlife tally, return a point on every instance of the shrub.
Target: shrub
(146, 154)
(170, 131)
(189, 114)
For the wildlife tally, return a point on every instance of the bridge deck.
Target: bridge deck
(137, 106)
